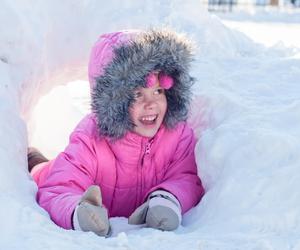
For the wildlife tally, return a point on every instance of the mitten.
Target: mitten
(161, 211)
(90, 214)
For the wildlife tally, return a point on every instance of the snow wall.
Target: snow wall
(245, 114)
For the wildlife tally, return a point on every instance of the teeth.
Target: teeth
(149, 118)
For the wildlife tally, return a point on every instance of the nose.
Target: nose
(149, 103)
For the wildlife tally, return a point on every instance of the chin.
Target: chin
(146, 133)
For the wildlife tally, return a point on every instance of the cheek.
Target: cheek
(133, 112)
(163, 105)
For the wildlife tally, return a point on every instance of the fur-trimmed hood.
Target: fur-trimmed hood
(120, 62)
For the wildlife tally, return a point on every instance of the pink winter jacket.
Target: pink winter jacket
(127, 171)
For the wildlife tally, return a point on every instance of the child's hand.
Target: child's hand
(90, 214)
(161, 211)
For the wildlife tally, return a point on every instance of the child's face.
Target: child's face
(148, 110)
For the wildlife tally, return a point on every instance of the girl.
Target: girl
(133, 156)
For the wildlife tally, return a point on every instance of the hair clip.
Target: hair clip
(165, 81)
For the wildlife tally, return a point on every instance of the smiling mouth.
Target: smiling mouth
(148, 120)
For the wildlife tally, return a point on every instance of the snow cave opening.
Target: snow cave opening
(56, 114)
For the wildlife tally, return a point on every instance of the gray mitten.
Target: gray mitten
(90, 214)
(161, 211)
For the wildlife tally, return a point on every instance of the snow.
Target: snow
(246, 114)
(279, 31)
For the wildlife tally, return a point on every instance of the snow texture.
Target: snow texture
(246, 114)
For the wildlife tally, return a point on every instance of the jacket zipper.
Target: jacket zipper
(146, 151)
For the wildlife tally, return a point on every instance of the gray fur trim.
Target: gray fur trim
(161, 50)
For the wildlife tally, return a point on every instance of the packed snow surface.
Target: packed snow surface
(246, 115)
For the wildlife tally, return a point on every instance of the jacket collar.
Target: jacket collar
(132, 146)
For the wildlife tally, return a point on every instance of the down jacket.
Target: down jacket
(126, 170)
(102, 149)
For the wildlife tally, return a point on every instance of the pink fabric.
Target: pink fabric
(102, 52)
(126, 171)
(165, 81)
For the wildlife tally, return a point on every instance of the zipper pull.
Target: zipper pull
(148, 147)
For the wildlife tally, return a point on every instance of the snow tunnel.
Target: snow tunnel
(245, 117)
(41, 60)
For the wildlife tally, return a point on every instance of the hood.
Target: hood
(121, 61)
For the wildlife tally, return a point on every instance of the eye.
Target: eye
(159, 91)
(137, 95)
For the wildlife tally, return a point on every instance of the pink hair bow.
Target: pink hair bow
(165, 81)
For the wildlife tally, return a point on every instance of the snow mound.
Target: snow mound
(246, 115)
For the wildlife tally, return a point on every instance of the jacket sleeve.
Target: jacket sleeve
(181, 178)
(70, 174)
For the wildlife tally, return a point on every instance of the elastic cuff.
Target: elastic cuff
(166, 195)
(75, 220)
